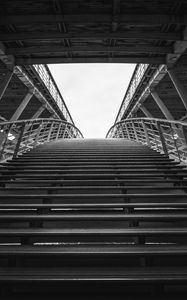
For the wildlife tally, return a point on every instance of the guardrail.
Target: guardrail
(45, 74)
(168, 137)
(19, 137)
(135, 81)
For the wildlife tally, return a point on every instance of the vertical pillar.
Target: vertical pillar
(22, 106)
(4, 82)
(146, 112)
(161, 105)
(179, 87)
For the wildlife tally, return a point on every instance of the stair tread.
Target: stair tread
(100, 175)
(94, 249)
(90, 217)
(63, 170)
(177, 204)
(94, 273)
(92, 231)
(94, 196)
(116, 181)
(94, 179)
(93, 187)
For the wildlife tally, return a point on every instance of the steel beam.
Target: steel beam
(161, 105)
(22, 106)
(179, 87)
(130, 35)
(27, 82)
(171, 59)
(38, 112)
(5, 82)
(53, 116)
(8, 60)
(60, 60)
(118, 48)
(115, 12)
(146, 112)
(130, 19)
(179, 48)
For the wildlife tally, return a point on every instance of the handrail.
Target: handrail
(21, 136)
(168, 137)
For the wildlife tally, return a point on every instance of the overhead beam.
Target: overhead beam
(179, 48)
(131, 19)
(5, 80)
(131, 35)
(117, 48)
(178, 86)
(145, 111)
(22, 106)
(27, 82)
(161, 105)
(8, 60)
(38, 112)
(116, 12)
(60, 60)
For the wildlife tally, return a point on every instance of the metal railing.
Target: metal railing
(19, 137)
(47, 78)
(136, 78)
(168, 137)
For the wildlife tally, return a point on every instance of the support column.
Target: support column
(179, 87)
(4, 82)
(146, 112)
(161, 105)
(39, 112)
(22, 106)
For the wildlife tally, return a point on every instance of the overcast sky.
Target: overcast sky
(93, 93)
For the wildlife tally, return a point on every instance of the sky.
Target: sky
(93, 93)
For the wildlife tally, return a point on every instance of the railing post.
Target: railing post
(64, 131)
(5, 141)
(164, 146)
(37, 134)
(19, 140)
(121, 126)
(184, 131)
(155, 142)
(128, 135)
(135, 133)
(58, 131)
(50, 131)
(175, 142)
(69, 132)
(146, 133)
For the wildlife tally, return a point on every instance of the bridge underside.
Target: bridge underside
(91, 31)
(14, 96)
(168, 94)
(19, 99)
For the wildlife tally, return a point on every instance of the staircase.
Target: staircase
(93, 219)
